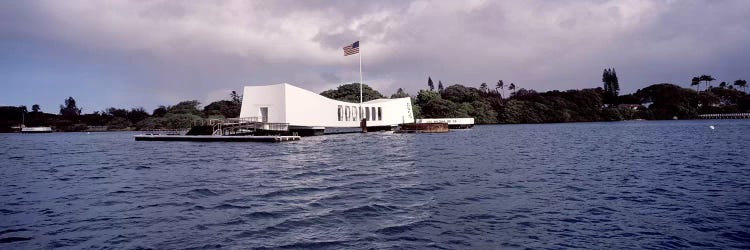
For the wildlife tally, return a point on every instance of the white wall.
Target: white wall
(395, 111)
(271, 96)
(305, 108)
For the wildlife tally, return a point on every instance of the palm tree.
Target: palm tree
(696, 82)
(707, 79)
(741, 83)
(512, 87)
(500, 86)
(483, 87)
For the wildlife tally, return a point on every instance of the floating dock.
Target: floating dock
(218, 138)
(423, 128)
(453, 123)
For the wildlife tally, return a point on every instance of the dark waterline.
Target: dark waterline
(653, 184)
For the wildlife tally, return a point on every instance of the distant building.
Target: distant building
(310, 113)
(630, 106)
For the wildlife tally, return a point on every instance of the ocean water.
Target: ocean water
(622, 185)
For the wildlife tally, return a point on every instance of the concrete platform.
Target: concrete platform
(216, 138)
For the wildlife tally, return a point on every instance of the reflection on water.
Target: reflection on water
(670, 184)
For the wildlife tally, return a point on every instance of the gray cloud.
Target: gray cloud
(160, 52)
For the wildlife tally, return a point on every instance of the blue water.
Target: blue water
(625, 185)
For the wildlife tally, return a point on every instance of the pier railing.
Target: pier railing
(238, 126)
(211, 122)
(165, 131)
(725, 116)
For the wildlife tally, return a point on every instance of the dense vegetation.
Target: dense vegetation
(70, 117)
(350, 93)
(487, 104)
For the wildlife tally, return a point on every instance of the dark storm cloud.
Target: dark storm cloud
(160, 52)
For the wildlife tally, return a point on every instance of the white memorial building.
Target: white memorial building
(310, 113)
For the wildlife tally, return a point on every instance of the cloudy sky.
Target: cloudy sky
(149, 53)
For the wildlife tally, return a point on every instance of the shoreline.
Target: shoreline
(486, 124)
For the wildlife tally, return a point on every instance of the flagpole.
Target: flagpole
(360, 80)
(360, 74)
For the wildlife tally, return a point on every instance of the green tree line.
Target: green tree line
(71, 118)
(489, 104)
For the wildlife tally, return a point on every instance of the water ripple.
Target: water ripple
(632, 185)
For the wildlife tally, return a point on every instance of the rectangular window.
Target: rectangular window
(380, 114)
(347, 113)
(367, 114)
(374, 116)
(340, 112)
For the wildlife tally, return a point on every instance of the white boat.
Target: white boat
(36, 130)
(25, 129)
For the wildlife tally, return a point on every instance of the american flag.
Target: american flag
(351, 49)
